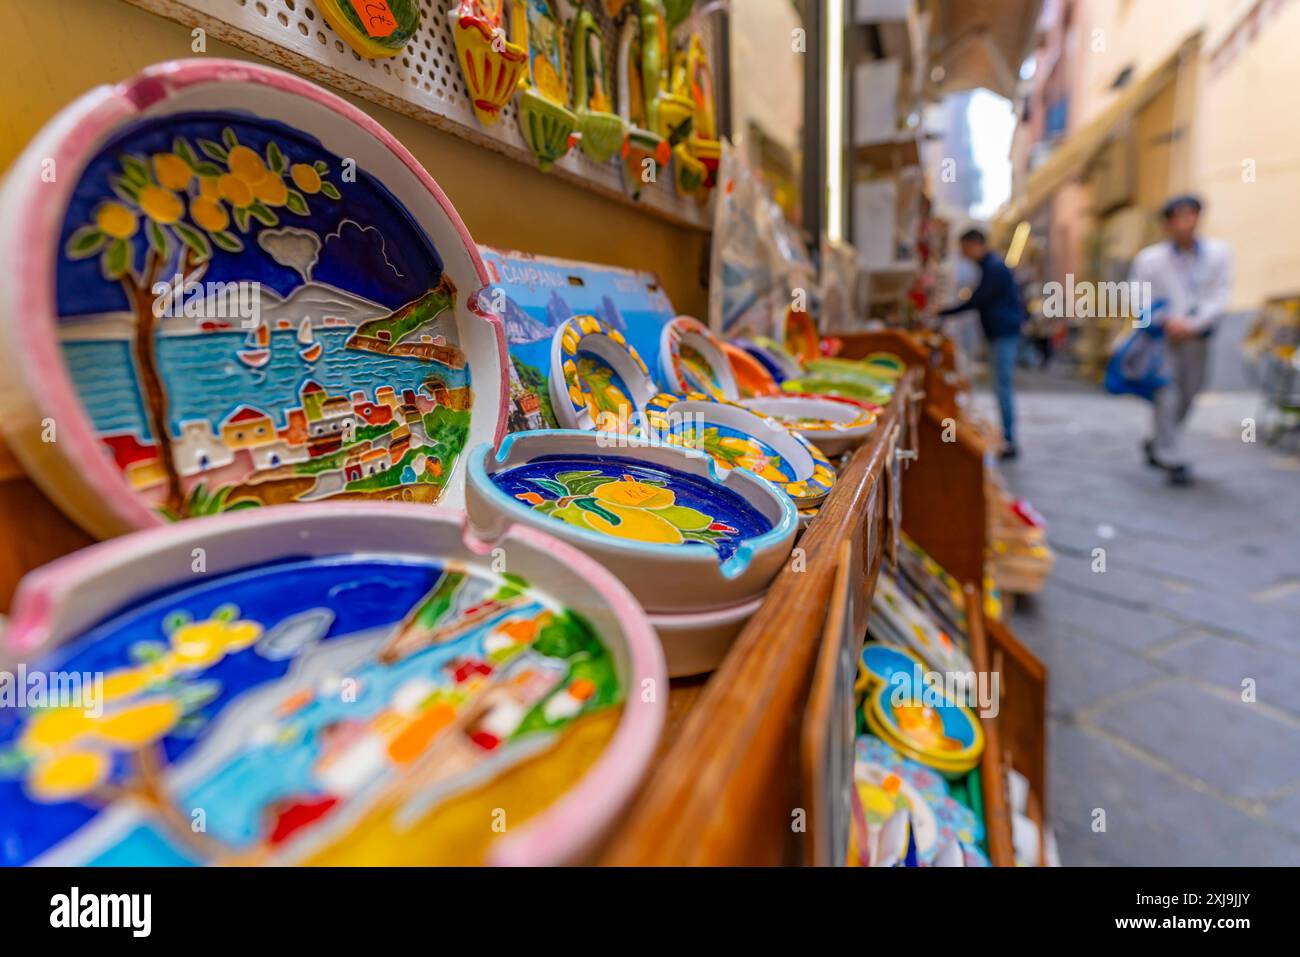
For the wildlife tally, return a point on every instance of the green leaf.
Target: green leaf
(143, 652)
(226, 613)
(186, 152)
(274, 158)
(84, 243)
(215, 150)
(296, 203)
(229, 138)
(320, 166)
(13, 763)
(555, 488)
(116, 261)
(228, 241)
(263, 215)
(177, 619)
(136, 169)
(195, 240)
(126, 191)
(241, 218)
(590, 505)
(158, 238)
(330, 190)
(208, 169)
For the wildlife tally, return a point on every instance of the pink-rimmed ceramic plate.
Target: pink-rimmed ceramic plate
(232, 256)
(356, 683)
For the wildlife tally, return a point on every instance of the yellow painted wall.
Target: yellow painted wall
(59, 49)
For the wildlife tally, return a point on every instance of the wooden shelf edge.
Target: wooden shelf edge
(997, 815)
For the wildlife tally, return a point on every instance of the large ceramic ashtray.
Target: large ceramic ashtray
(830, 423)
(682, 534)
(239, 291)
(691, 359)
(597, 381)
(915, 715)
(355, 684)
(695, 642)
(739, 438)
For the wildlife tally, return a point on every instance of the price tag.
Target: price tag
(376, 17)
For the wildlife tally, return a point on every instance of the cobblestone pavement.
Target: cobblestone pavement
(1174, 692)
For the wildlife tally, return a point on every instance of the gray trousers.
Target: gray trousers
(1185, 365)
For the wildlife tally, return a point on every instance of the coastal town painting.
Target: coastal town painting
(535, 295)
(250, 319)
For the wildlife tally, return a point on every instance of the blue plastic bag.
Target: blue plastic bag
(1138, 366)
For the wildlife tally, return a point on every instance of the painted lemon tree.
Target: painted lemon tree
(250, 319)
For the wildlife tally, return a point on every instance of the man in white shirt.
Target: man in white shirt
(1192, 277)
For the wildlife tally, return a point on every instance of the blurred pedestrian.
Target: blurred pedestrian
(1001, 312)
(1192, 276)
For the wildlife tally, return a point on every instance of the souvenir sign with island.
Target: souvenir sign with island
(534, 296)
(221, 309)
(346, 685)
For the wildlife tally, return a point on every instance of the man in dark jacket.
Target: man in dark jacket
(1002, 312)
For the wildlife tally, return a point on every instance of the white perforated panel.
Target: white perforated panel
(423, 82)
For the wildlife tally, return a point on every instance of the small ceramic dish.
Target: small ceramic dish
(352, 684)
(376, 30)
(597, 381)
(695, 642)
(853, 370)
(903, 622)
(752, 377)
(831, 424)
(919, 720)
(846, 388)
(774, 358)
(215, 317)
(681, 533)
(691, 359)
(738, 438)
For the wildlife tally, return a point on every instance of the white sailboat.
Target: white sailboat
(310, 350)
(258, 352)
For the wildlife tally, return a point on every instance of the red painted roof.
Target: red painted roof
(246, 413)
(127, 449)
(311, 387)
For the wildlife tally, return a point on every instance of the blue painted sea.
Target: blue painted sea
(205, 380)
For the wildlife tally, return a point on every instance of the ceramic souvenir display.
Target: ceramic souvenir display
(645, 152)
(916, 719)
(799, 335)
(695, 642)
(544, 115)
(602, 130)
(695, 81)
(767, 350)
(598, 381)
(896, 618)
(374, 28)
(831, 424)
(668, 114)
(490, 64)
(535, 295)
(738, 438)
(691, 359)
(351, 684)
(860, 387)
(239, 291)
(879, 376)
(752, 377)
(886, 782)
(682, 534)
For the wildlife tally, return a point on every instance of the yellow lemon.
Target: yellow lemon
(634, 494)
(161, 205)
(271, 190)
(208, 188)
(246, 164)
(636, 524)
(238, 635)
(65, 776)
(139, 724)
(116, 220)
(124, 683)
(305, 177)
(172, 171)
(209, 214)
(234, 190)
(54, 727)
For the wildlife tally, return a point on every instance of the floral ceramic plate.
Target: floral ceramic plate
(738, 438)
(681, 533)
(598, 381)
(779, 363)
(832, 424)
(352, 684)
(915, 717)
(900, 620)
(238, 291)
(691, 359)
